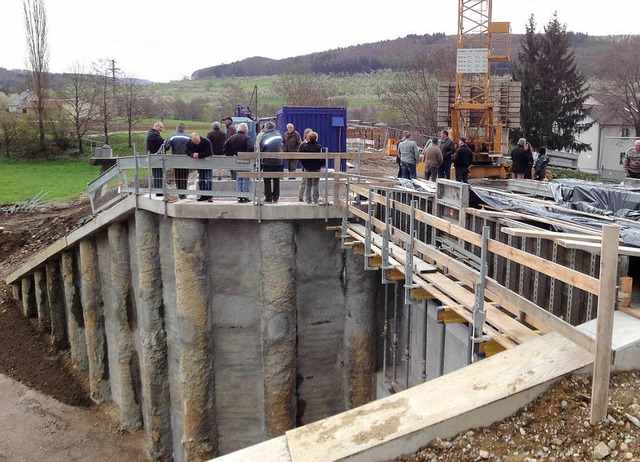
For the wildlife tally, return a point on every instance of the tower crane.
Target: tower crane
(484, 102)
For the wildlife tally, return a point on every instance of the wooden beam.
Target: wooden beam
(604, 323)
(594, 248)
(543, 234)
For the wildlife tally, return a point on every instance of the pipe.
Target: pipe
(424, 345)
(443, 338)
(394, 345)
(385, 330)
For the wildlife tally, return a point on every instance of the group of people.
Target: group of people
(522, 162)
(440, 155)
(230, 143)
(270, 140)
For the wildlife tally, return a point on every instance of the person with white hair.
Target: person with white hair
(519, 159)
(240, 142)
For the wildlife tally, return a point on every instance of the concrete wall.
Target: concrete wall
(447, 345)
(214, 334)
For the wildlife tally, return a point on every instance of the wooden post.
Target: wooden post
(604, 323)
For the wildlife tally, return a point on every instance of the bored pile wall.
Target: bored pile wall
(214, 335)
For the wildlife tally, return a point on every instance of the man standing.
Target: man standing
(240, 142)
(153, 143)
(462, 160)
(200, 148)
(177, 142)
(217, 138)
(433, 159)
(448, 148)
(409, 157)
(231, 129)
(631, 161)
(519, 159)
(270, 141)
(292, 142)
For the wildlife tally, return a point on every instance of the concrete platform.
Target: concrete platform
(474, 396)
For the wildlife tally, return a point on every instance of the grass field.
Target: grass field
(59, 180)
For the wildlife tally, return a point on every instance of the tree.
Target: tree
(106, 81)
(78, 101)
(620, 70)
(132, 94)
(35, 22)
(413, 92)
(305, 90)
(553, 89)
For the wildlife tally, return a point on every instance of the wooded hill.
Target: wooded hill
(369, 57)
(389, 54)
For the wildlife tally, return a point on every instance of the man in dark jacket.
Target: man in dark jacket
(310, 146)
(217, 138)
(153, 143)
(271, 141)
(462, 160)
(519, 159)
(231, 129)
(292, 142)
(177, 143)
(447, 148)
(199, 147)
(240, 142)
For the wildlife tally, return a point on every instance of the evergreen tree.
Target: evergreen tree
(553, 89)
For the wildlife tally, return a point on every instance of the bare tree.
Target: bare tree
(106, 79)
(35, 22)
(132, 94)
(306, 90)
(413, 94)
(620, 89)
(78, 101)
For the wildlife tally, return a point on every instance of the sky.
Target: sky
(168, 40)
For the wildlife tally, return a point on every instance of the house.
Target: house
(610, 136)
(15, 105)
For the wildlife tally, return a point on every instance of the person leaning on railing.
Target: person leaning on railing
(199, 147)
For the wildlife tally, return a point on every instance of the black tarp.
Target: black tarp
(577, 195)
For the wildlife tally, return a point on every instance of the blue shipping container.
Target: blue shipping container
(330, 123)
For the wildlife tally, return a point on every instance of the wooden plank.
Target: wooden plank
(543, 234)
(595, 248)
(507, 324)
(604, 323)
(309, 155)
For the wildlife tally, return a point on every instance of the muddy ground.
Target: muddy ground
(47, 399)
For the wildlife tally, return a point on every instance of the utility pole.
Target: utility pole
(115, 99)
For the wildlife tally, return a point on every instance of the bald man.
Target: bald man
(199, 147)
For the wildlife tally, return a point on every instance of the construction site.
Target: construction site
(391, 315)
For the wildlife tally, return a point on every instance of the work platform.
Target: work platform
(245, 321)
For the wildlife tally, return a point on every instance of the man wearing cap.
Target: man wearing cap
(432, 157)
(177, 143)
(462, 160)
(519, 160)
(231, 129)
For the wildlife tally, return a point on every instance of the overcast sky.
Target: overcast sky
(165, 40)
